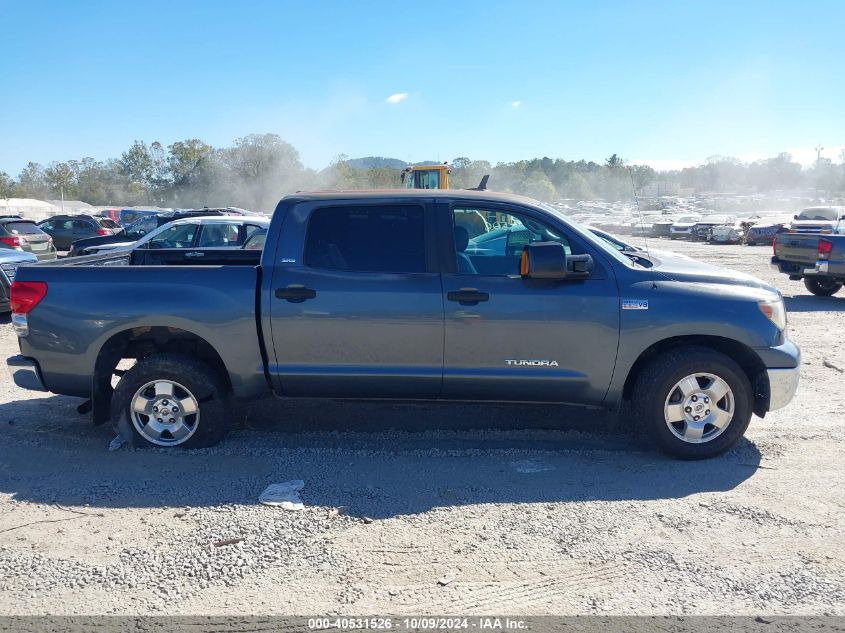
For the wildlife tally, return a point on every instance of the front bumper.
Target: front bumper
(25, 373)
(783, 383)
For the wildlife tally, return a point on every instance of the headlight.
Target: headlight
(775, 312)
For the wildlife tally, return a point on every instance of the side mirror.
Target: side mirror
(548, 260)
(794, 217)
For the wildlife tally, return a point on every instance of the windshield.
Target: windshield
(687, 219)
(819, 213)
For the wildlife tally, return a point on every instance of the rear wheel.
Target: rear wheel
(822, 286)
(171, 400)
(693, 402)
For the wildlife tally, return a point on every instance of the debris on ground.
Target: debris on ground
(284, 495)
(830, 365)
(116, 443)
(445, 580)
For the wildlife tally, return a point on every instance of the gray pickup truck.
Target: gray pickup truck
(376, 295)
(796, 254)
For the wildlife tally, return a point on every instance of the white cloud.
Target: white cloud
(399, 97)
(516, 104)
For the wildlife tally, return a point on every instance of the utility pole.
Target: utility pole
(818, 149)
(62, 190)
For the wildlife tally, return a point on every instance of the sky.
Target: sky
(666, 83)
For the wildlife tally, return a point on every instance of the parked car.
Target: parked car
(702, 229)
(682, 229)
(726, 234)
(66, 229)
(373, 295)
(144, 226)
(9, 262)
(796, 255)
(645, 226)
(816, 220)
(764, 230)
(25, 236)
(662, 226)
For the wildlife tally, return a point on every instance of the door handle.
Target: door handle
(194, 254)
(467, 296)
(295, 293)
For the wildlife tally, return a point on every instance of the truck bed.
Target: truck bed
(86, 307)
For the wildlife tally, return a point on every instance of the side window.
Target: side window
(219, 234)
(82, 225)
(389, 239)
(179, 236)
(490, 242)
(46, 226)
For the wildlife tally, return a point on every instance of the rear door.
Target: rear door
(357, 312)
(508, 338)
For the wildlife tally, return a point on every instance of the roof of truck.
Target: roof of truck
(351, 194)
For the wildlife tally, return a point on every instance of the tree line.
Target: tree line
(258, 169)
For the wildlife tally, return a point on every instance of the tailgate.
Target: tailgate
(793, 247)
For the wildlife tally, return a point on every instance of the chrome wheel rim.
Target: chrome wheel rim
(165, 413)
(699, 408)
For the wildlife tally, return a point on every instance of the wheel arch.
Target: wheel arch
(139, 342)
(740, 353)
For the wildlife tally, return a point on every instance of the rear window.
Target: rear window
(22, 228)
(819, 213)
(107, 223)
(389, 239)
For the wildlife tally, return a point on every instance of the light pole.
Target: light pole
(818, 149)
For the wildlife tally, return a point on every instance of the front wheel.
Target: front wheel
(822, 286)
(170, 400)
(693, 402)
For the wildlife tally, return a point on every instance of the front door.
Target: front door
(508, 338)
(359, 313)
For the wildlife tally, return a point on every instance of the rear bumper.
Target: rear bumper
(25, 373)
(783, 383)
(792, 268)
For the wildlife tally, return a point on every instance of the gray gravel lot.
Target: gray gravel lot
(521, 510)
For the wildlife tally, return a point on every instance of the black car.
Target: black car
(65, 229)
(23, 235)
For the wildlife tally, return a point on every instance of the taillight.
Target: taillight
(103, 232)
(25, 295)
(15, 241)
(825, 246)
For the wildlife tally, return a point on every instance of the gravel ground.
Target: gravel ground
(581, 518)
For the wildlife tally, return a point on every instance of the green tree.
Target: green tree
(62, 180)
(264, 168)
(7, 186)
(614, 161)
(32, 182)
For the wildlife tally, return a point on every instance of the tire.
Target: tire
(192, 395)
(657, 388)
(822, 286)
